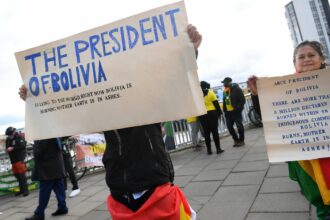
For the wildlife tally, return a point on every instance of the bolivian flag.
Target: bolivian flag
(166, 203)
(313, 177)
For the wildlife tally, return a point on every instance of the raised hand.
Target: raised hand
(194, 35)
(252, 84)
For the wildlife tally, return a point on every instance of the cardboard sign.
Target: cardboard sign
(296, 115)
(135, 71)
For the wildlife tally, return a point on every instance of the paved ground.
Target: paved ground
(239, 184)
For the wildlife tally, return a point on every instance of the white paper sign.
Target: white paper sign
(296, 115)
(135, 71)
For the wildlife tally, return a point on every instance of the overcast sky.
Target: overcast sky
(240, 37)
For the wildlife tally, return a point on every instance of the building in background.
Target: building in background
(309, 20)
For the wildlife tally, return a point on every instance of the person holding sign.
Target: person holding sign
(140, 174)
(313, 176)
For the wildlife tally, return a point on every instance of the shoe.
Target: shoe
(199, 147)
(74, 193)
(220, 151)
(235, 143)
(19, 193)
(60, 212)
(26, 193)
(35, 217)
(240, 144)
(209, 152)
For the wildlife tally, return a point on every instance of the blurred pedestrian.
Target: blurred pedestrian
(233, 105)
(210, 120)
(194, 128)
(16, 149)
(68, 165)
(49, 171)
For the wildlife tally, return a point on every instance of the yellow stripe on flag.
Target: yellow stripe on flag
(313, 169)
(183, 214)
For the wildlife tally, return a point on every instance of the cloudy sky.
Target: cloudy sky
(240, 37)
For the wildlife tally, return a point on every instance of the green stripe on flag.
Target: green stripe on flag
(309, 188)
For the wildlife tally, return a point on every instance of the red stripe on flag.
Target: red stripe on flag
(163, 204)
(325, 166)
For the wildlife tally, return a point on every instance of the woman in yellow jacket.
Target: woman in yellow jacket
(209, 121)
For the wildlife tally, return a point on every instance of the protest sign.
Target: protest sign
(139, 70)
(89, 150)
(296, 115)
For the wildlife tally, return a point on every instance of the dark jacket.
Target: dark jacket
(135, 159)
(48, 160)
(236, 97)
(19, 145)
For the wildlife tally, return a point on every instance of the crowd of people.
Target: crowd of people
(232, 105)
(139, 170)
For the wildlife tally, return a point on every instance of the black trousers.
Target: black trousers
(209, 123)
(22, 182)
(69, 170)
(235, 117)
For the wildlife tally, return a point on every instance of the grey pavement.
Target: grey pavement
(239, 184)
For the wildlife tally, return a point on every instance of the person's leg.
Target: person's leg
(20, 192)
(201, 129)
(45, 189)
(60, 196)
(190, 132)
(208, 139)
(23, 186)
(203, 120)
(239, 124)
(230, 125)
(194, 133)
(69, 169)
(19, 170)
(213, 122)
(65, 183)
